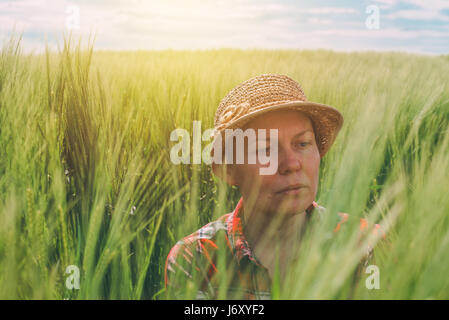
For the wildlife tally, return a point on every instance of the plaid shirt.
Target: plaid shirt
(248, 279)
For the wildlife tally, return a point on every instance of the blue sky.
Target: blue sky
(420, 26)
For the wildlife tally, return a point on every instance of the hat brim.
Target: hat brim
(326, 120)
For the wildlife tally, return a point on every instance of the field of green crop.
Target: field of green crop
(86, 178)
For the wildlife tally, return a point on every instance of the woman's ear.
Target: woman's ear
(231, 175)
(226, 172)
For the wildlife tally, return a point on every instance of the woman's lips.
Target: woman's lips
(292, 190)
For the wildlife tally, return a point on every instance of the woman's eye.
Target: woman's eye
(303, 144)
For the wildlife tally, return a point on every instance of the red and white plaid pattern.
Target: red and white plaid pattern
(199, 251)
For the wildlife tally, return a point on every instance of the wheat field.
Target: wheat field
(86, 178)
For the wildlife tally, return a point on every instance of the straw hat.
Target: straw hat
(271, 92)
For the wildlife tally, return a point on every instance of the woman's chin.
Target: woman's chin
(292, 206)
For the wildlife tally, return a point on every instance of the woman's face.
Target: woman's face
(297, 166)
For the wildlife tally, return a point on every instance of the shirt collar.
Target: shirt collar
(239, 244)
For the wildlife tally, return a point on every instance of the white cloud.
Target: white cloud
(329, 10)
(386, 4)
(319, 21)
(418, 15)
(422, 4)
(430, 4)
(183, 24)
(426, 9)
(387, 33)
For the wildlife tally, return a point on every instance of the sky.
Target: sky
(418, 26)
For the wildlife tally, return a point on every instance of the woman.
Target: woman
(267, 224)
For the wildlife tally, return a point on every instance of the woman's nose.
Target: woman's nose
(289, 161)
